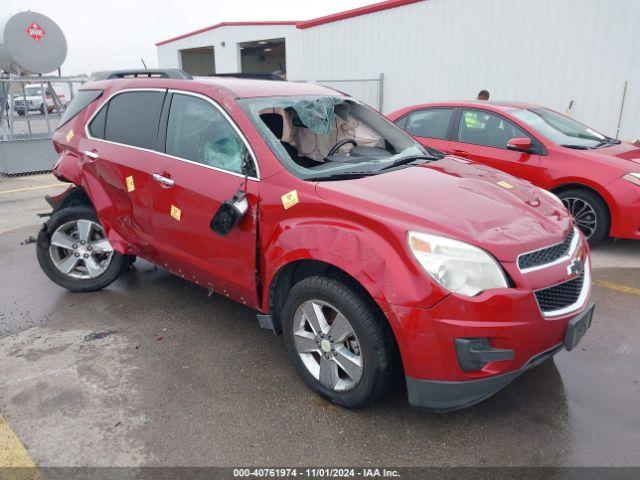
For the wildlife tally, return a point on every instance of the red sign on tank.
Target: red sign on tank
(35, 31)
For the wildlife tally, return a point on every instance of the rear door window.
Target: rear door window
(429, 123)
(132, 118)
(198, 132)
(81, 101)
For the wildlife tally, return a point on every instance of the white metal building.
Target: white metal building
(550, 52)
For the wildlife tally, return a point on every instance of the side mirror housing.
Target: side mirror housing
(520, 144)
(229, 214)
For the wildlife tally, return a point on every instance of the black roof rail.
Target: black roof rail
(253, 76)
(149, 73)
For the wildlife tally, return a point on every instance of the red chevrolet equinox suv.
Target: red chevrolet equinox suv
(374, 256)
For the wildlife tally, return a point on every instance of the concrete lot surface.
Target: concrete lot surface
(152, 372)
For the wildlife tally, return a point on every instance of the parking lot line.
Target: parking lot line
(617, 287)
(12, 452)
(33, 188)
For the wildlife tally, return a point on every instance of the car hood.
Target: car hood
(624, 155)
(452, 197)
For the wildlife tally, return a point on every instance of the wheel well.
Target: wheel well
(580, 186)
(75, 198)
(293, 272)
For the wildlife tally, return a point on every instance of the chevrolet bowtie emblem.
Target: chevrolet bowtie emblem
(575, 267)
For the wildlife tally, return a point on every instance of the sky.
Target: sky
(115, 34)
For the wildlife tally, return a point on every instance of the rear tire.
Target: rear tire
(590, 213)
(74, 252)
(339, 342)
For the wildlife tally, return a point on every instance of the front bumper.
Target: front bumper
(443, 396)
(624, 204)
(505, 323)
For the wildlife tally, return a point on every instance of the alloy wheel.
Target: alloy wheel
(583, 213)
(327, 345)
(79, 249)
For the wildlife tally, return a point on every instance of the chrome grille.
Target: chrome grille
(546, 255)
(560, 296)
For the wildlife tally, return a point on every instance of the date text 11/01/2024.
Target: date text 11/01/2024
(316, 472)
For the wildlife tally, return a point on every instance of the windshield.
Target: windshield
(330, 137)
(560, 129)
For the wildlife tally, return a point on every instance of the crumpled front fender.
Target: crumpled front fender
(374, 260)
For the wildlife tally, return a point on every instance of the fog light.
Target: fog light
(475, 353)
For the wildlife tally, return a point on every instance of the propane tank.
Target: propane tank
(31, 42)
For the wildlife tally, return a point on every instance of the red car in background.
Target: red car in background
(595, 176)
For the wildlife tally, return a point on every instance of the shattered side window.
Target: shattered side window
(197, 131)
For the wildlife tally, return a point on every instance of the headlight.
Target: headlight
(633, 178)
(457, 266)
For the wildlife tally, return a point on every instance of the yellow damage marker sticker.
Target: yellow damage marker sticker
(69, 135)
(12, 452)
(175, 212)
(130, 185)
(504, 184)
(289, 199)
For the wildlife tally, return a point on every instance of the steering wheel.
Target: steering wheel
(340, 144)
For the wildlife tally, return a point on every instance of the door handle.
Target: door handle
(91, 155)
(163, 180)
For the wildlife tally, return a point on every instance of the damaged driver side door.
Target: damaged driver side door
(201, 168)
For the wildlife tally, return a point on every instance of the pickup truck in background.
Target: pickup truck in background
(31, 100)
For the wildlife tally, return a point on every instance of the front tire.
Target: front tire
(74, 252)
(590, 213)
(339, 342)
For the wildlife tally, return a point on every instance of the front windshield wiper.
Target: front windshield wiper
(435, 153)
(409, 159)
(576, 147)
(345, 175)
(351, 174)
(608, 141)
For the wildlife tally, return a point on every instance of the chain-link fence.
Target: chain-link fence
(31, 111)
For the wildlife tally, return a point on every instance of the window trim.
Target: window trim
(105, 104)
(450, 127)
(538, 146)
(163, 124)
